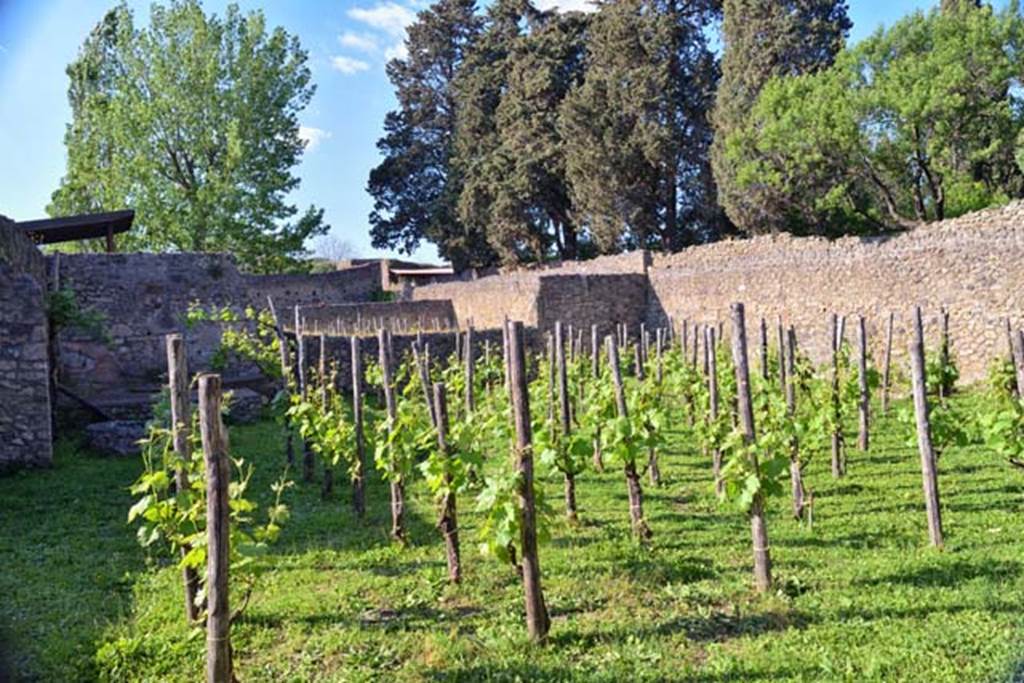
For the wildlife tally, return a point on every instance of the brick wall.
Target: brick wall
(25, 436)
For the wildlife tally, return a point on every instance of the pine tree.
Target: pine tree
(636, 129)
(415, 188)
(763, 39)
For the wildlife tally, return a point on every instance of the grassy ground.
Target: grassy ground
(860, 597)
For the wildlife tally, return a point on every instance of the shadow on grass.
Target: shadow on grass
(948, 575)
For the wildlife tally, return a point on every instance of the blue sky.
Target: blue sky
(348, 42)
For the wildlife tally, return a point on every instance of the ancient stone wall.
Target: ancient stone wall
(488, 300)
(146, 296)
(367, 318)
(971, 265)
(25, 428)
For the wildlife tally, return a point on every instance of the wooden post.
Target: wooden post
(286, 374)
(633, 487)
(458, 345)
(944, 349)
(696, 344)
(419, 358)
(181, 425)
(782, 357)
(218, 478)
(764, 350)
(795, 473)
(683, 334)
(322, 370)
(638, 362)
(658, 346)
(504, 349)
(837, 429)
(537, 621)
(712, 379)
(887, 362)
(929, 475)
(1017, 342)
(397, 484)
(863, 437)
(448, 524)
(302, 360)
(841, 332)
(1015, 387)
(470, 365)
(791, 369)
(645, 342)
(359, 476)
(758, 526)
(549, 340)
(595, 353)
(564, 415)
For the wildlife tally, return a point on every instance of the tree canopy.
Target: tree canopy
(764, 39)
(919, 122)
(193, 122)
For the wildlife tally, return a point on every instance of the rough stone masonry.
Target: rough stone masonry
(971, 265)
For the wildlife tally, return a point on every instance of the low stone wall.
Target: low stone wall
(486, 302)
(25, 427)
(366, 318)
(146, 296)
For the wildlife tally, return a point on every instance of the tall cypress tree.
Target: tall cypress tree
(764, 39)
(636, 129)
(415, 188)
(517, 186)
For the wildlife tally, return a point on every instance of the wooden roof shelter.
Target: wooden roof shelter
(81, 227)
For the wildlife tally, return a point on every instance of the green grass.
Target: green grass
(861, 597)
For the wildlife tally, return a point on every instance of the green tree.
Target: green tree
(764, 39)
(636, 128)
(415, 188)
(193, 122)
(516, 188)
(917, 123)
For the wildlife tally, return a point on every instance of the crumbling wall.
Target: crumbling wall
(25, 427)
(146, 296)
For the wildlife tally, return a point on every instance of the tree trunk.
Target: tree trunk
(929, 475)
(758, 526)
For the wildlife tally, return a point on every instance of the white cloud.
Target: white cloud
(396, 51)
(566, 5)
(348, 65)
(359, 41)
(389, 17)
(312, 136)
